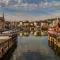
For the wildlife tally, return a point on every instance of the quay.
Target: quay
(54, 39)
(7, 40)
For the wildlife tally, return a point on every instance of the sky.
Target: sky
(30, 7)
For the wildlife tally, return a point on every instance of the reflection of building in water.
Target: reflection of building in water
(43, 33)
(24, 33)
(40, 33)
(54, 36)
(20, 33)
(37, 33)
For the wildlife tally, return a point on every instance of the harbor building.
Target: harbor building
(2, 23)
(54, 37)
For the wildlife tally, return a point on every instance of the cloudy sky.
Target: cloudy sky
(30, 7)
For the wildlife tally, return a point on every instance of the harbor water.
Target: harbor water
(32, 47)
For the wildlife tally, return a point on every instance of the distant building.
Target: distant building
(2, 23)
(44, 25)
(14, 24)
(32, 27)
(7, 25)
(20, 23)
(37, 25)
(26, 25)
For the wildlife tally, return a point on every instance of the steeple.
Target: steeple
(3, 15)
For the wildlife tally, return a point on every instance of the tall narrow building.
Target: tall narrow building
(2, 23)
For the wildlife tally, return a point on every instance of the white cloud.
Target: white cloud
(23, 17)
(4, 1)
(40, 5)
(49, 4)
(19, 3)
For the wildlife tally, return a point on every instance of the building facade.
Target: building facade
(2, 23)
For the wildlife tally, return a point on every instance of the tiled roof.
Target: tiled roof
(53, 31)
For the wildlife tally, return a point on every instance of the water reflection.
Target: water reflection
(40, 33)
(30, 47)
(35, 33)
(32, 56)
(24, 33)
(33, 48)
(55, 49)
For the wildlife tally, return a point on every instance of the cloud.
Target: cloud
(43, 8)
(4, 2)
(23, 17)
(49, 4)
(22, 6)
(30, 3)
